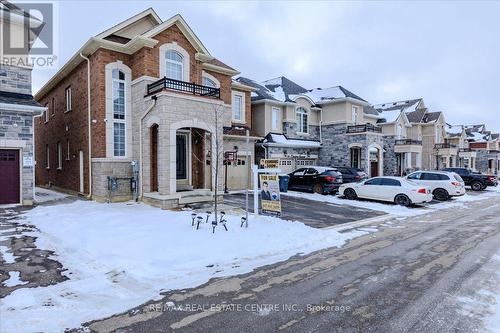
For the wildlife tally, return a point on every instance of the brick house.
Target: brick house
(143, 95)
(17, 111)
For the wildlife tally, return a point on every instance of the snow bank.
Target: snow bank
(44, 195)
(121, 255)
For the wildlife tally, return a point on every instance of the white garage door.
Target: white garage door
(237, 174)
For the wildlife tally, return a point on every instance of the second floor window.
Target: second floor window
(354, 115)
(302, 121)
(68, 99)
(47, 115)
(174, 65)
(118, 94)
(275, 118)
(238, 112)
(399, 132)
(208, 82)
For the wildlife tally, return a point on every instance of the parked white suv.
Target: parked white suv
(443, 184)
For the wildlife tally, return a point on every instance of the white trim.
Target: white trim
(300, 123)
(131, 20)
(109, 109)
(242, 95)
(186, 62)
(25, 108)
(80, 171)
(68, 98)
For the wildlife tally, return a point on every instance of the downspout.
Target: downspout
(34, 152)
(89, 125)
(154, 98)
(320, 126)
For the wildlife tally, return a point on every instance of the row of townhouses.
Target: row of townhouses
(146, 100)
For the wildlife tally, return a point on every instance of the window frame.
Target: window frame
(68, 156)
(174, 62)
(299, 118)
(68, 96)
(275, 117)
(59, 156)
(47, 157)
(358, 159)
(240, 95)
(354, 114)
(119, 120)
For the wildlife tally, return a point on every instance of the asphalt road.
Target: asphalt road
(315, 214)
(408, 277)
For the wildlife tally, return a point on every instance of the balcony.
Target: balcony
(444, 146)
(446, 149)
(356, 129)
(182, 86)
(465, 150)
(406, 142)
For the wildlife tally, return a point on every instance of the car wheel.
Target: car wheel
(441, 194)
(318, 188)
(350, 194)
(477, 186)
(402, 200)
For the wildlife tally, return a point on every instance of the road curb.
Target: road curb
(360, 223)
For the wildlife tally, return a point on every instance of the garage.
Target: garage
(237, 173)
(10, 177)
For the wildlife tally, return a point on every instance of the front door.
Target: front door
(182, 156)
(9, 177)
(374, 169)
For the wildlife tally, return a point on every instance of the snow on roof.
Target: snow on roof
(390, 116)
(281, 139)
(320, 95)
(454, 130)
(407, 105)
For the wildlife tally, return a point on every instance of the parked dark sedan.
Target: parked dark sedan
(322, 180)
(351, 175)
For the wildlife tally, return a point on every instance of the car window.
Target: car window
(311, 171)
(458, 178)
(443, 177)
(299, 172)
(390, 182)
(374, 181)
(416, 175)
(343, 170)
(430, 176)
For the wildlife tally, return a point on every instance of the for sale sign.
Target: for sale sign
(270, 194)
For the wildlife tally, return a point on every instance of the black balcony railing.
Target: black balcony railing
(363, 128)
(444, 145)
(464, 150)
(182, 86)
(404, 142)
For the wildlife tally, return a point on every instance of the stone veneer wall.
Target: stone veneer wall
(15, 79)
(335, 148)
(101, 169)
(290, 130)
(16, 132)
(483, 156)
(390, 160)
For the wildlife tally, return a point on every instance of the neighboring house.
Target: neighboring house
(157, 101)
(17, 109)
(486, 145)
(402, 140)
(288, 120)
(429, 127)
(456, 135)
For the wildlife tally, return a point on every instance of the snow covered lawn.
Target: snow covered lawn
(393, 209)
(121, 255)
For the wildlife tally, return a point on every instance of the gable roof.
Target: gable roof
(454, 130)
(431, 117)
(477, 133)
(109, 40)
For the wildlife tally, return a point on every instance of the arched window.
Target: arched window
(174, 65)
(302, 121)
(118, 112)
(208, 82)
(355, 155)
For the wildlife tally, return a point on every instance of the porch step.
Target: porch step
(184, 200)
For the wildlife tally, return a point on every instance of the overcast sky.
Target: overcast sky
(446, 52)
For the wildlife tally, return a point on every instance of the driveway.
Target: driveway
(315, 214)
